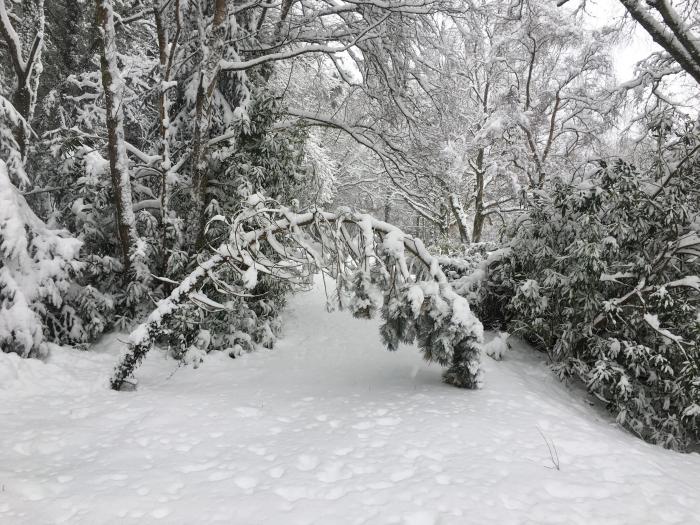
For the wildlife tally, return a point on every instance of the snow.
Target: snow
(497, 347)
(653, 321)
(690, 281)
(326, 428)
(416, 297)
(250, 278)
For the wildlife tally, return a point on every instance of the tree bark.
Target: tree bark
(212, 49)
(167, 50)
(116, 145)
(26, 71)
(460, 216)
(478, 198)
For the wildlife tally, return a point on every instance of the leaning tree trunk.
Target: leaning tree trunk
(118, 161)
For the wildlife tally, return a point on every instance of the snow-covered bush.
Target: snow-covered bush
(604, 274)
(236, 324)
(37, 265)
(467, 270)
(465, 259)
(497, 347)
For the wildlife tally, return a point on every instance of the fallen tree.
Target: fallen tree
(377, 267)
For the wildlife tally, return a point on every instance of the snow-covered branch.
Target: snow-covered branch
(362, 253)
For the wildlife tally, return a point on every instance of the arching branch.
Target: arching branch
(360, 252)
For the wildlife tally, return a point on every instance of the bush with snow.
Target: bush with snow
(497, 347)
(604, 275)
(37, 264)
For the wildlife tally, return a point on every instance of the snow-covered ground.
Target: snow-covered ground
(328, 428)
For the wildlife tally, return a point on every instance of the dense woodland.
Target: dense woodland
(176, 168)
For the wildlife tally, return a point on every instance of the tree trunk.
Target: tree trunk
(387, 210)
(21, 100)
(479, 198)
(200, 176)
(213, 48)
(167, 50)
(27, 71)
(118, 161)
(460, 216)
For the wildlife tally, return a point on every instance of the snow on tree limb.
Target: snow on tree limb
(375, 256)
(12, 39)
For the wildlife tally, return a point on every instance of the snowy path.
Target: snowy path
(329, 429)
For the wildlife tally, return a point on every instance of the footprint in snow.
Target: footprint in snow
(401, 475)
(160, 513)
(420, 518)
(175, 487)
(333, 471)
(276, 472)
(334, 493)
(388, 421)
(219, 476)
(292, 494)
(246, 482)
(307, 462)
(380, 485)
(443, 479)
(257, 450)
(247, 411)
